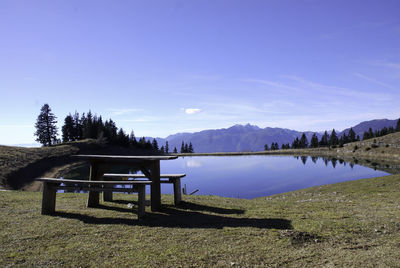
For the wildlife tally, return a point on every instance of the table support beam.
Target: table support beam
(155, 186)
(97, 171)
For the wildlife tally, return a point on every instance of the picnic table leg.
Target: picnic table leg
(95, 174)
(155, 186)
(141, 201)
(107, 196)
(177, 191)
(48, 199)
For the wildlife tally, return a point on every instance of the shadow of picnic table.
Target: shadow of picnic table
(187, 215)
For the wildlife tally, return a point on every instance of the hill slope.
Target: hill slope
(351, 224)
(20, 166)
(376, 124)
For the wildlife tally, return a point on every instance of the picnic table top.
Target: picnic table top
(126, 157)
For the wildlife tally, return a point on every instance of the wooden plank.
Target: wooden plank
(95, 174)
(99, 189)
(54, 180)
(177, 192)
(48, 199)
(169, 176)
(155, 186)
(126, 158)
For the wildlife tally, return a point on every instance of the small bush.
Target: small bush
(374, 145)
(355, 148)
(368, 148)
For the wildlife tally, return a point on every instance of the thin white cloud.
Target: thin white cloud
(192, 110)
(388, 64)
(272, 83)
(394, 66)
(335, 90)
(370, 79)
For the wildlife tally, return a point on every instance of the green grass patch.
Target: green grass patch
(355, 223)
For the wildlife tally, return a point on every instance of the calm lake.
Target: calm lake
(256, 176)
(252, 176)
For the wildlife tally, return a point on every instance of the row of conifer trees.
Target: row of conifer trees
(88, 126)
(332, 139)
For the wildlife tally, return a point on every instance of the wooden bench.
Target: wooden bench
(51, 185)
(175, 179)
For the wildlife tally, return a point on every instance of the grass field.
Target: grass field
(355, 223)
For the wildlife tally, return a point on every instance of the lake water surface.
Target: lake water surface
(256, 176)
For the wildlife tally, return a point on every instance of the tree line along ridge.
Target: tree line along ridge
(332, 139)
(88, 126)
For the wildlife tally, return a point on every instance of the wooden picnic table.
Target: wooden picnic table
(149, 165)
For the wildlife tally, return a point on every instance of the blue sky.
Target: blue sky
(162, 67)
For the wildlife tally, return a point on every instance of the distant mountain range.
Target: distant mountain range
(248, 137)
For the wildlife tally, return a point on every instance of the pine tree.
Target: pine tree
(83, 121)
(87, 126)
(182, 147)
(149, 146)
(46, 129)
(314, 141)
(132, 140)
(67, 129)
(366, 135)
(370, 133)
(344, 139)
(166, 147)
(384, 131)
(110, 132)
(266, 147)
(333, 140)
(324, 139)
(155, 145)
(142, 142)
(398, 125)
(78, 131)
(122, 138)
(175, 150)
(303, 141)
(186, 149)
(99, 128)
(295, 143)
(162, 150)
(93, 134)
(352, 135)
(190, 148)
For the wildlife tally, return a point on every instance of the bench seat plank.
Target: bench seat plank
(50, 186)
(53, 180)
(175, 179)
(169, 176)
